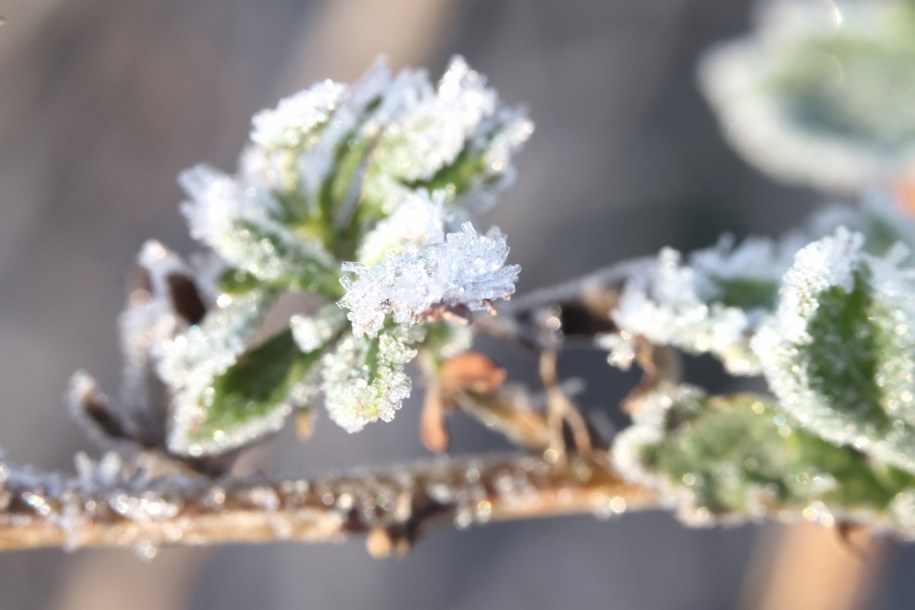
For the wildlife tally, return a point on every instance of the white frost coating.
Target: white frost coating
(190, 361)
(312, 332)
(364, 381)
(514, 129)
(755, 258)
(823, 264)
(239, 223)
(296, 116)
(317, 162)
(464, 270)
(787, 348)
(419, 220)
(148, 320)
(648, 429)
(108, 471)
(741, 80)
(428, 129)
(421, 130)
(686, 306)
(666, 309)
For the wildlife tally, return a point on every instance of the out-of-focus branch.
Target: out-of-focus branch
(394, 507)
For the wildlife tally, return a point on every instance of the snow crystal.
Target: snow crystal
(427, 130)
(421, 130)
(419, 220)
(818, 266)
(514, 130)
(190, 361)
(464, 270)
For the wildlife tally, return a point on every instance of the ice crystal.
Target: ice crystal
(364, 379)
(464, 269)
(819, 93)
(838, 351)
(419, 220)
(424, 129)
(173, 298)
(714, 302)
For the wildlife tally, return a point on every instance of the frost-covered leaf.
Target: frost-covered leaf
(189, 362)
(419, 220)
(840, 350)
(248, 400)
(820, 92)
(314, 331)
(666, 307)
(464, 270)
(714, 302)
(244, 225)
(364, 380)
(455, 138)
(296, 117)
(739, 457)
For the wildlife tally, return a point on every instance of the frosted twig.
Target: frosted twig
(394, 507)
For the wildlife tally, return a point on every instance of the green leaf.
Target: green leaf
(251, 398)
(280, 258)
(840, 351)
(364, 378)
(746, 292)
(740, 456)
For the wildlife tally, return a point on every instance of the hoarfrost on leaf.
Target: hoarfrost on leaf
(312, 332)
(838, 352)
(464, 270)
(739, 457)
(297, 116)
(243, 224)
(454, 137)
(666, 308)
(364, 380)
(820, 92)
(419, 220)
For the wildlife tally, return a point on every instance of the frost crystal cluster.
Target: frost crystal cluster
(360, 196)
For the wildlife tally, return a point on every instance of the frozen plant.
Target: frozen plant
(359, 195)
(364, 197)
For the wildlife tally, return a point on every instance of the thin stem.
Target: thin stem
(395, 507)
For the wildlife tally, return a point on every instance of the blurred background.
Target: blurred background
(102, 102)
